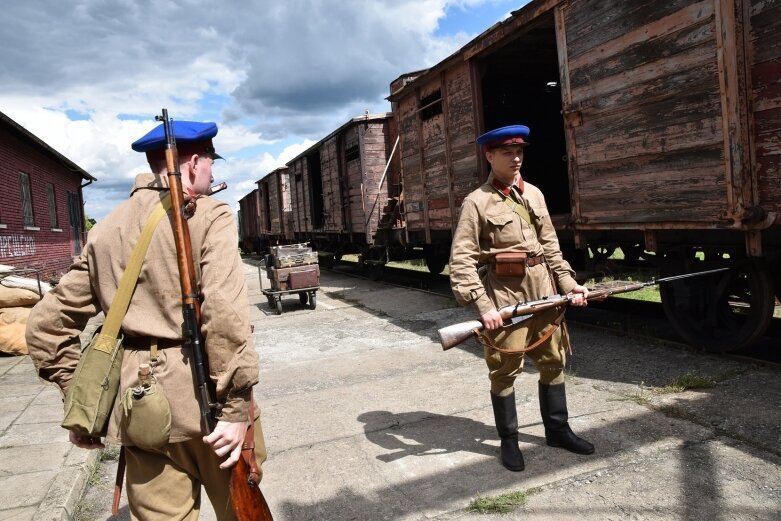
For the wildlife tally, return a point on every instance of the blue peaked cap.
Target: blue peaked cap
(510, 135)
(183, 131)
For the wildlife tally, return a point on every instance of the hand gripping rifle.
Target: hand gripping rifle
(246, 498)
(451, 336)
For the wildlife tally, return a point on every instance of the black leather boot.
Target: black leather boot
(506, 418)
(553, 406)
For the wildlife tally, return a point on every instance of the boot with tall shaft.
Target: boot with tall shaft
(553, 407)
(506, 417)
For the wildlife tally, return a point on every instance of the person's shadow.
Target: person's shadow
(421, 433)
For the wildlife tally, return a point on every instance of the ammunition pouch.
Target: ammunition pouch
(146, 416)
(510, 264)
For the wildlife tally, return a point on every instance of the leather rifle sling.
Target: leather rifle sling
(248, 447)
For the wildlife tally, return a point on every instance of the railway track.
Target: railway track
(625, 315)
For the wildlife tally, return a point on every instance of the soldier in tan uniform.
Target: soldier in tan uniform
(164, 484)
(505, 250)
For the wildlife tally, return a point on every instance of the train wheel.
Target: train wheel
(279, 306)
(312, 301)
(436, 264)
(302, 298)
(722, 312)
(326, 261)
(777, 278)
(375, 271)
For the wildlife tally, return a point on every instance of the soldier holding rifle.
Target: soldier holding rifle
(505, 250)
(164, 482)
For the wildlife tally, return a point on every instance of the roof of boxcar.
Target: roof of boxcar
(487, 39)
(37, 142)
(251, 194)
(354, 121)
(268, 174)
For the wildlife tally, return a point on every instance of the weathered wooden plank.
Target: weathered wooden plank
(768, 122)
(765, 29)
(624, 55)
(703, 133)
(681, 80)
(645, 72)
(592, 23)
(695, 194)
(711, 159)
(767, 97)
(647, 119)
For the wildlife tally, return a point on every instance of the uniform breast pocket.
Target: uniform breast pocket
(502, 230)
(541, 213)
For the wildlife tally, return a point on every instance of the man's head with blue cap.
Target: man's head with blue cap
(503, 148)
(504, 136)
(194, 146)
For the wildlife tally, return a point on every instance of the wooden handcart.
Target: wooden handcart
(291, 270)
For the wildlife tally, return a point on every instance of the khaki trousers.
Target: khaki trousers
(549, 359)
(165, 484)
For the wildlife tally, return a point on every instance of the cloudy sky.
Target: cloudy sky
(88, 76)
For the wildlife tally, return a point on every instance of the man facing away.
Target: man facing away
(164, 483)
(505, 250)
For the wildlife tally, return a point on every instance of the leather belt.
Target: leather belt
(144, 342)
(533, 261)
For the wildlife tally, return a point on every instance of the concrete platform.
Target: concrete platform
(366, 418)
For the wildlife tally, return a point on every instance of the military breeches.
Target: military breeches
(549, 358)
(165, 484)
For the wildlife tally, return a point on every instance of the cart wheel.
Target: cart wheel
(279, 306)
(302, 298)
(312, 301)
(271, 301)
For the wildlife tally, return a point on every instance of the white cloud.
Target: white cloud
(265, 71)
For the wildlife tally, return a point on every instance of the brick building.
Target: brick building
(41, 204)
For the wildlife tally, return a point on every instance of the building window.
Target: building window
(27, 199)
(52, 206)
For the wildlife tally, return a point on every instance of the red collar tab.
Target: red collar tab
(505, 189)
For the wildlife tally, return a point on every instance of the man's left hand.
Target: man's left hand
(578, 295)
(226, 439)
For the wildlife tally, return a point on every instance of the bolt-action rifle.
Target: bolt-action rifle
(246, 498)
(451, 336)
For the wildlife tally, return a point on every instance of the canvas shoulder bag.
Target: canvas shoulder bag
(95, 383)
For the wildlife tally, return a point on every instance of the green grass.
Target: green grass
(501, 504)
(688, 381)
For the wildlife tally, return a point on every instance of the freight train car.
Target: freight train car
(338, 187)
(655, 129)
(274, 211)
(249, 240)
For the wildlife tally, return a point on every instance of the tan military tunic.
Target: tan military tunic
(488, 226)
(155, 309)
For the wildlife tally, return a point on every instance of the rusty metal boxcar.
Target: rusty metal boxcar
(655, 128)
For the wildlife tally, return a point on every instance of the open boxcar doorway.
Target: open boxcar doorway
(520, 85)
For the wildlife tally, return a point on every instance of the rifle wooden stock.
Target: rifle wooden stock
(451, 336)
(247, 500)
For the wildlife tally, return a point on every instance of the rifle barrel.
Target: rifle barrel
(451, 336)
(247, 499)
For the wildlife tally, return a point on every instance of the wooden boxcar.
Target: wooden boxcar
(338, 187)
(274, 211)
(249, 239)
(655, 127)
